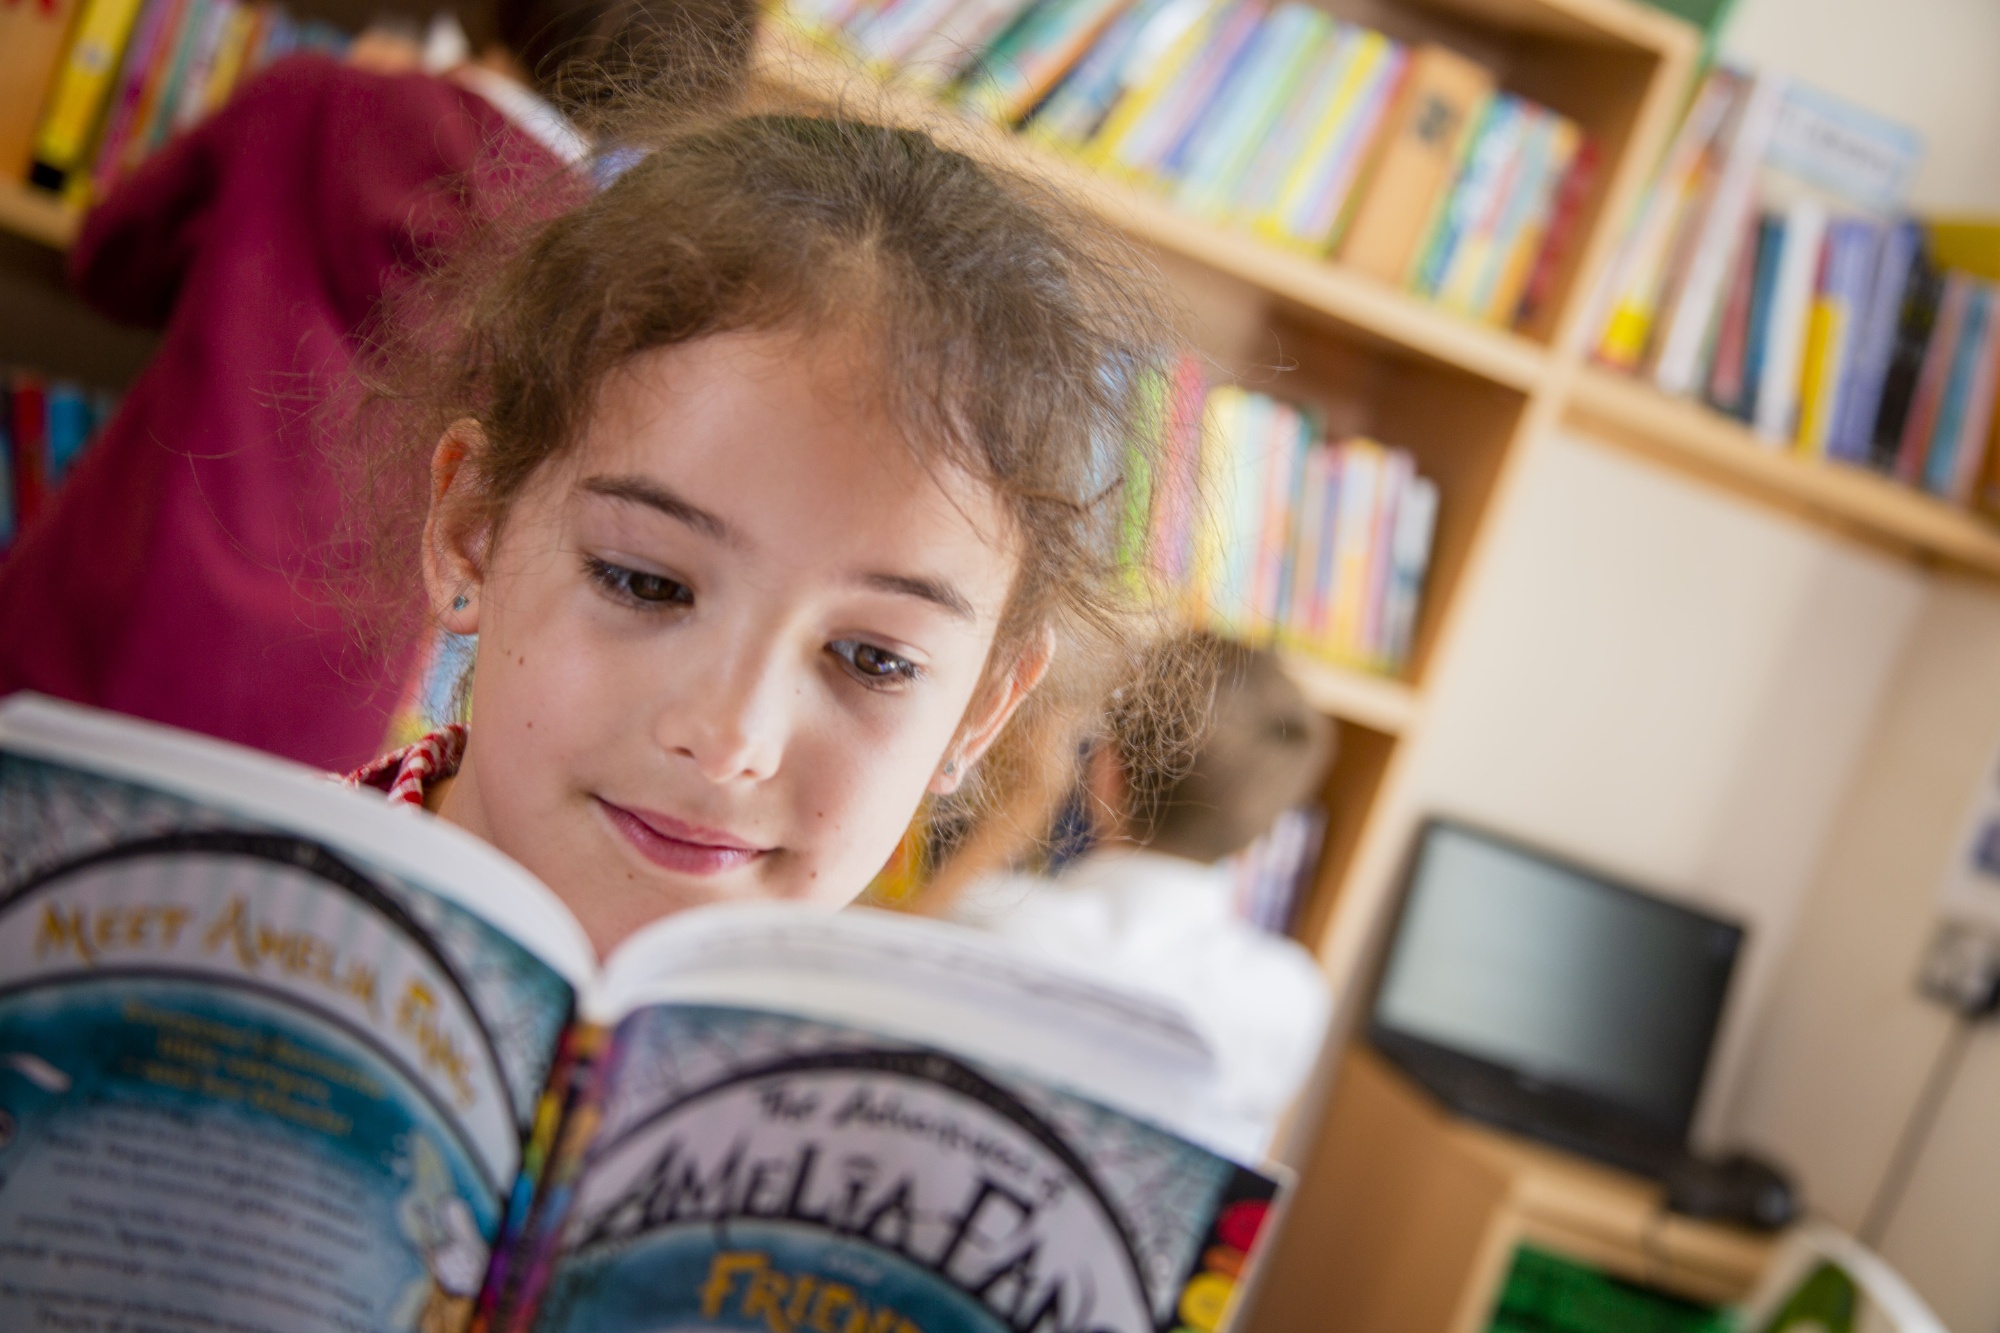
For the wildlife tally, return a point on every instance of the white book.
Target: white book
(1722, 231)
(1791, 308)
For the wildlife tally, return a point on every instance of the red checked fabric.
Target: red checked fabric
(404, 775)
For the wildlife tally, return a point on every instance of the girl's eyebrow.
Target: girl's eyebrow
(935, 591)
(645, 491)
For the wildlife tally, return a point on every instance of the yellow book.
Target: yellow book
(1825, 328)
(1136, 106)
(1971, 245)
(1308, 177)
(1527, 248)
(88, 68)
(1363, 465)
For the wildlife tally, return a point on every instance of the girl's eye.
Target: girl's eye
(638, 586)
(874, 666)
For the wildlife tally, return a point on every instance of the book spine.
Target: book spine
(1915, 323)
(1565, 225)
(1012, 83)
(1239, 111)
(1308, 531)
(1631, 290)
(1398, 471)
(1791, 307)
(1849, 247)
(1976, 436)
(1722, 231)
(1441, 98)
(1941, 459)
(1468, 275)
(1502, 299)
(1202, 98)
(1301, 201)
(1416, 523)
(67, 415)
(1874, 343)
(1327, 50)
(82, 89)
(1157, 75)
(1725, 389)
(1360, 488)
(156, 122)
(156, 22)
(1077, 109)
(1480, 153)
(944, 52)
(1933, 379)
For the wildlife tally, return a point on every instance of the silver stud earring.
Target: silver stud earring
(459, 603)
(951, 768)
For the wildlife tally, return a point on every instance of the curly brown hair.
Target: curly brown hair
(1016, 339)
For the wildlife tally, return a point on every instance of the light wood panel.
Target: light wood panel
(1846, 499)
(37, 215)
(1410, 1216)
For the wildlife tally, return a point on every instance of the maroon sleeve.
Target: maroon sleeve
(135, 245)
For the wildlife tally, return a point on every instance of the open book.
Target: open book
(275, 1055)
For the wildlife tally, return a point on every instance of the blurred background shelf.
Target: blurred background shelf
(1361, 697)
(37, 215)
(1343, 301)
(1850, 500)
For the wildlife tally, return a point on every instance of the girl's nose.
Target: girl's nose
(735, 723)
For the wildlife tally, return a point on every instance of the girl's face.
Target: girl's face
(727, 643)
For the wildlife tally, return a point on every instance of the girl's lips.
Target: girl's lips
(666, 841)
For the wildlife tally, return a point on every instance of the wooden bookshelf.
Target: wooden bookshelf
(1462, 396)
(1364, 698)
(37, 215)
(1849, 500)
(1348, 303)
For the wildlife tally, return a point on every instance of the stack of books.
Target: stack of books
(135, 71)
(1313, 133)
(1770, 272)
(44, 428)
(1271, 876)
(1316, 545)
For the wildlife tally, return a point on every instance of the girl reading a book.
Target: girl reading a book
(784, 486)
(178, 574)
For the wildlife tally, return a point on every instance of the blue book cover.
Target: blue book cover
(69, 420)
(278, 1055)
(1874, 342)
(1941, 460)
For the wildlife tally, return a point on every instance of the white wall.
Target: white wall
(1928, 64)
(1667, 682)
(1846, 1041)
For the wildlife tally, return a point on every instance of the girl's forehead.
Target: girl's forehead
(782, 441)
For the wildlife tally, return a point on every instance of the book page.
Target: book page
(877, 1123)
(248, 1079)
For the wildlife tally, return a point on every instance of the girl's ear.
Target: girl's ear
(455, 535)
(989, 717)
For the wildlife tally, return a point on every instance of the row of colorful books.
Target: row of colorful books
(1771, 273)
(1312, 544)
(44, 429)
(136, 71)
(1314, 133)
(1273, 875)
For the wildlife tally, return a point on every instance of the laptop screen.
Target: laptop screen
(1557, 974)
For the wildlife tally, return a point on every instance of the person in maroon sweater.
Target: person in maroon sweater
(177, 576)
